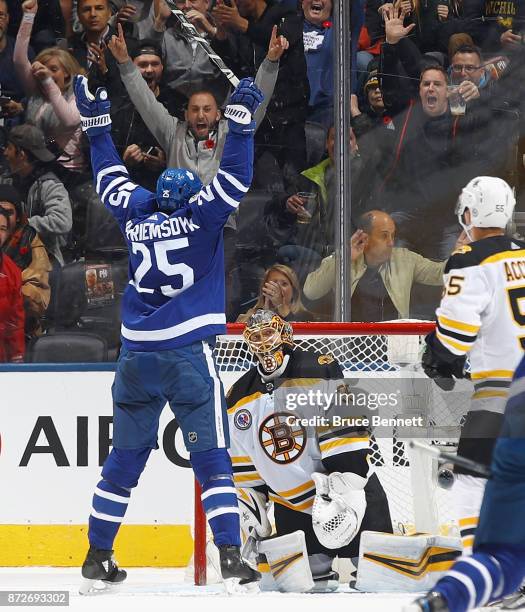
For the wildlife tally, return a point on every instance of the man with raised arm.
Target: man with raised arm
(172, 310)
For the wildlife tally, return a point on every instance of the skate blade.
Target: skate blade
(233, 587)
(511, 602)
(89, 586)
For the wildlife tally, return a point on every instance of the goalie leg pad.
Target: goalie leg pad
(267, 582)
(392, 563)
(288, 562)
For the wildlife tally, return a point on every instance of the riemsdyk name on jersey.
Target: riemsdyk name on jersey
(150, 229)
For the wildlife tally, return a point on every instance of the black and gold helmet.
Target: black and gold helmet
(268, 335)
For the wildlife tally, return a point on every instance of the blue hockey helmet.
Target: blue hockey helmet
(175, 187)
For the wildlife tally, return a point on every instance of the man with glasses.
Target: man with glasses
(467, 71)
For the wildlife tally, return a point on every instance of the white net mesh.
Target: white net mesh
(414, 497)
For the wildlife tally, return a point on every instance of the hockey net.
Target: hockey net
(378, 350)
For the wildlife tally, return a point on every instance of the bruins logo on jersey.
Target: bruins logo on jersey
(325, 359)
(282, 442)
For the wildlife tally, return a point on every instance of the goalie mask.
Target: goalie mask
(490, 201)
(269, 337)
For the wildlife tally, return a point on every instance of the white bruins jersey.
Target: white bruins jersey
(271, 446)
(482, 313)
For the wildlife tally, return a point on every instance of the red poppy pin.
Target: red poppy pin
(23, 250)
(209, 144)
(327, 24)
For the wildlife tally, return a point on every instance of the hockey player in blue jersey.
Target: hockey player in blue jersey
(497, 566)
(172, 309)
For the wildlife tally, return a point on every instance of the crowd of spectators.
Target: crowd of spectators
(437, 89)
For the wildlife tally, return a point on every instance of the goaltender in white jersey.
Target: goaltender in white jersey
(482, 313)
(287, 450)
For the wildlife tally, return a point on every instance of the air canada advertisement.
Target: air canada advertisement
(55, 433)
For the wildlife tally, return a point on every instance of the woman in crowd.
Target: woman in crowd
(51, 106)
(280, 292)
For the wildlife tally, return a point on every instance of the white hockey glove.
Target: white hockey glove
(339, 507)
(242, 105)
(94, 109)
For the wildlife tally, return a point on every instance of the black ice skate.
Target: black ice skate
(431, 602)
(100, 565)
(237, 575)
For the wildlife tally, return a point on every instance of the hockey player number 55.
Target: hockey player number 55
(163, 265)
(516, 297)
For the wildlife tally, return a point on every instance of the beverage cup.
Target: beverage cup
(309, 206)
(457, 104)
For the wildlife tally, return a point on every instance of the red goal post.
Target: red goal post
(356, 346)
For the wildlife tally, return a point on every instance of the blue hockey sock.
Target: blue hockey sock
(121, 472)
(213, 470)
(110, 503)
(489, 574)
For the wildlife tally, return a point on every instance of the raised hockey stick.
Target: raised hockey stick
(193, 33)
(473, 466)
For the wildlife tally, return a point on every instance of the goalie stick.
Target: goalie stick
(473, 466)
(193, 33)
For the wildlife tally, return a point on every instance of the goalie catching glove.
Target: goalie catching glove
(243, 103)
(94, 109)
(339, 507)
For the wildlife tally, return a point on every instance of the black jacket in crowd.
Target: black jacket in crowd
(244, 53)
(111, 80)
(432, 158)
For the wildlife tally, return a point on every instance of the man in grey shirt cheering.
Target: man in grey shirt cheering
(185, 143)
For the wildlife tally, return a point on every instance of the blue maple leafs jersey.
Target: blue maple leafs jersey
(175, 294)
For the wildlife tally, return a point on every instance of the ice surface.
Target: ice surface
(152, 590)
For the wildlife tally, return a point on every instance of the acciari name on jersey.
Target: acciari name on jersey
(147, 230)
